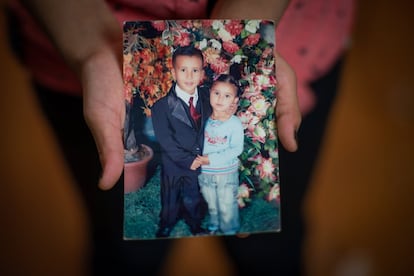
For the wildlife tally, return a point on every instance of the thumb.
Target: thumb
(108, 140)
(112, 160)
(104, 112)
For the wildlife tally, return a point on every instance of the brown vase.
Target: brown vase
(135, 173)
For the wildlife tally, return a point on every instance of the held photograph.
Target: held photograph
(200, 143)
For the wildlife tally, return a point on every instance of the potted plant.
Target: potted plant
(136, 155)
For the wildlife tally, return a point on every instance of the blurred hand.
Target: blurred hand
(104, 111)
(288, 115)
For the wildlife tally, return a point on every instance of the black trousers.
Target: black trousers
(181, 198)
(281, 253)
(111, 255)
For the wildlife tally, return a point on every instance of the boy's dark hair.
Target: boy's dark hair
(189, 51)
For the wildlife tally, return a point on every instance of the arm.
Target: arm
(287, 109)
(90, 40)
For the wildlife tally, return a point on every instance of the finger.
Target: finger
(287, 108)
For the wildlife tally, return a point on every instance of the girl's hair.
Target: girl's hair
(232, 78)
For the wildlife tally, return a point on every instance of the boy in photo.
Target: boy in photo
(178, 121)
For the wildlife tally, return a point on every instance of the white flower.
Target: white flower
(252, 26)
(262, 80)
(237, 58)
(215, 44)
(217, 24)
(203, 44)
(224, 34)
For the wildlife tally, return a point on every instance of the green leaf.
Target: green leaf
(244, 34)
(244, 103)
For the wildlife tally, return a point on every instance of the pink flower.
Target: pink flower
(230, 47)
(183, 39)
(252, 39)
(245, 118)
(234, 27)
(274, 193)
(259, 105)
(259, 134)
(262, 81)
(266, 168)
(207, 23)
(219, 66)
(186, 24)
(251, 91)
(159, 25)
(257, 158)
(244, 191)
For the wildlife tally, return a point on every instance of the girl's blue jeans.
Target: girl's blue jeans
(220, 192)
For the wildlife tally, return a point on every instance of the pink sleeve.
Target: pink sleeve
(311, 36)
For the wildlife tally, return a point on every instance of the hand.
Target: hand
(92, 46)
(203, 159)
(288, 115)
(104, 111)
(195, 165)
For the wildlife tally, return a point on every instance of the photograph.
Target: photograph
(200, 142)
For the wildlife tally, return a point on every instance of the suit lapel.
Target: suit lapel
(177, 108)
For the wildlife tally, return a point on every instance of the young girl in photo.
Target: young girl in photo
(223, 143)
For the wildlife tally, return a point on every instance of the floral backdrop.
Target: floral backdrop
(148, 47)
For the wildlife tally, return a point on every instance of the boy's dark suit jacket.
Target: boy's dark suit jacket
(179, 138)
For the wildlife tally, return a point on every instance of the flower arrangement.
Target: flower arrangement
(147, 67)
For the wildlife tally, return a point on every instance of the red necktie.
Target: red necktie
(193, 112)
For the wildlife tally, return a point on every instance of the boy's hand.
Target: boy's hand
(203, 159)
(195, 165)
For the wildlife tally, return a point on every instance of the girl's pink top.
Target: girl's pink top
(311, 35)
